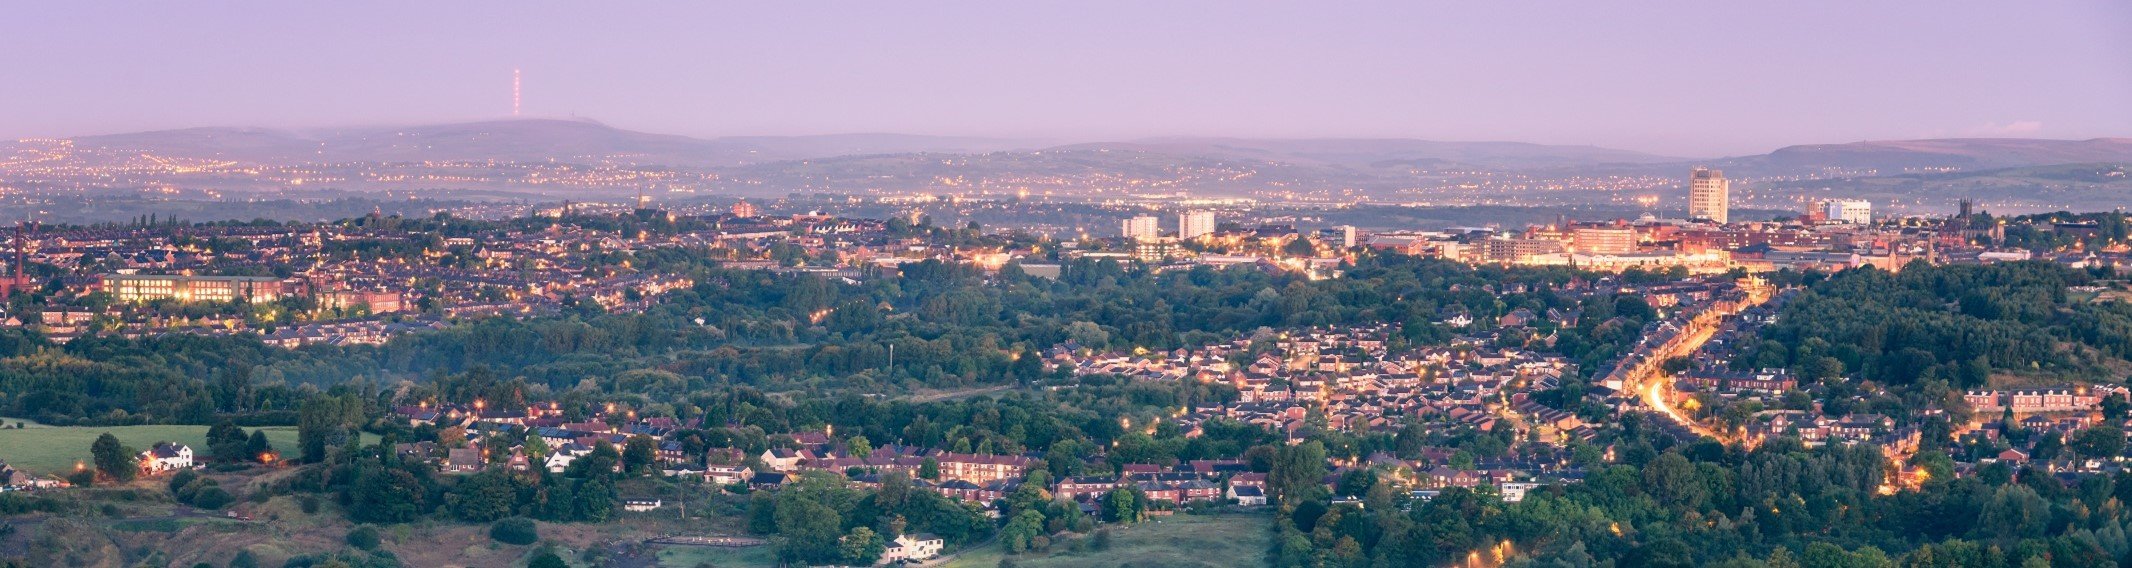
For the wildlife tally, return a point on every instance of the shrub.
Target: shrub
(515, 530)
(183, 478)
(547, 559)
(212, 497)
(17, 503)
(185, 493)
(364, 537)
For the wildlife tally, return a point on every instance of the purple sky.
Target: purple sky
(1683, 78)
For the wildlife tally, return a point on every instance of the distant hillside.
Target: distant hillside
(2025, 189)
(832, 145)
(517, 140)
(1925, 173)
(1897, 156)
(1387, 152)
(520, 140)
(591, 142)
(1058, 168)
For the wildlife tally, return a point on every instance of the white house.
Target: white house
(560, 460)
(782, 459)
(641, 505)
(1515, 491)
(166, 457)
(727, 474)
(912, 548)
(1248, 495)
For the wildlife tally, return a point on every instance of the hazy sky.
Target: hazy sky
(1686, 78)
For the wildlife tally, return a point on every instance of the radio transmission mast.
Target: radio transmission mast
(514, 93)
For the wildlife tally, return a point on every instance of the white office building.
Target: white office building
(1709, 196)
(1605, 240)
(1343, 235)
(1145, 228)
(1854, 211)
(1195, 224)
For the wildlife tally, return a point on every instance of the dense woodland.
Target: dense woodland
(1670, 503)
(1951, 324)
(2038, 233)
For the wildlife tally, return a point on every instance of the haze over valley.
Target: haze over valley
(540, 160)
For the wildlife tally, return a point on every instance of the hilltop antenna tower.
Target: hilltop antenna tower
(514, 93)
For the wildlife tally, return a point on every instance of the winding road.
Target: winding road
(1657, 391)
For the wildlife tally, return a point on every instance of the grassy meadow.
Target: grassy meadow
(693, 556)
(1230, 539)
(44, 449)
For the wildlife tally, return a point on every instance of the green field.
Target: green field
(54, 449)
(692, 556)
(1231, 539)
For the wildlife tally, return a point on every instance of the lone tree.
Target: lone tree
(638, 454)
(113, 459)
(257, 447)
(1295, 474)
(225, 443)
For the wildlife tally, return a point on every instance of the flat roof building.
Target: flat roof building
(186, 288)
(1709, 196)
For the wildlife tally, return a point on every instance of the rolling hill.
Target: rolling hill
(593, 142)
(1383, 152)
(528, 140)
(1895, 156)
(1913, 171)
